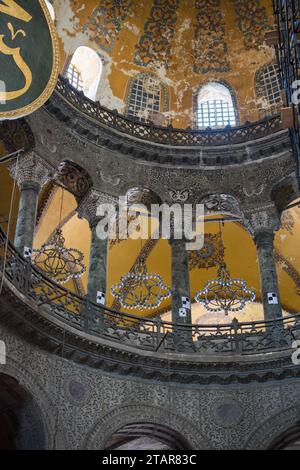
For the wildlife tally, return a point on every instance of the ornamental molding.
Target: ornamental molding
(47, 333)
(125, 414)
(169, 172)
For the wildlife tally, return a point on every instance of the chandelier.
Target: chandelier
(57, 262)
(225, 294)
(141, 290)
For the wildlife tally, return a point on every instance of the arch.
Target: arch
(147, 98)
(268, 89)
(289, 440)
(216, 106)
(268, 434)
(84, 71)
(285, 192)
(122, 416)
(55, 433)
(140, 195)
(218, 203)
(146, 436)
(21, 423)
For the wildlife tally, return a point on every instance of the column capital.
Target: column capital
(31, 170)
(265, 220)
(87, 208)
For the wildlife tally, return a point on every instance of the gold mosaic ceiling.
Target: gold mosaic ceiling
(185, 42)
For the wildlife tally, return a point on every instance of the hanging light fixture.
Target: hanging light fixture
(141, 290)
(57, 262)
(225, 294)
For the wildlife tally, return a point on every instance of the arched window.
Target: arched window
(215, 106)
(84, 71)
(51, 9)
(268, 88)
(146, 98)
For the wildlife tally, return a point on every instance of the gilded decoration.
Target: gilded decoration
(16, 135)
(252, 21)
(155, 44)
(287, 222)
(26, 85)
(210, 48)
(210, 256)
(289, 269)
(106, 22)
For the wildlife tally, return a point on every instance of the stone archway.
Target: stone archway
(112, 422)
(146, 436)
(21, 422)
(269, 433)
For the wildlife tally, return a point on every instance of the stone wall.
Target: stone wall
(82, 407)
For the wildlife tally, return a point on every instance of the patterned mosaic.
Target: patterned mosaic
(155, 44)
(106, 22)
(252, 21)
(287, 222)
(289, 269)
(210, 49)
(210, 256)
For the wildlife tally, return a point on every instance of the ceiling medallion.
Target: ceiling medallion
(140, 290)
(225, 294)
(57, 262)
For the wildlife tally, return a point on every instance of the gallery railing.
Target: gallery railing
(166, 135)
(143, 333)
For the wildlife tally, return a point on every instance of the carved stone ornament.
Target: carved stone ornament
(180, 195)
(30, 168)
(265, 219)
(142, 196)
(87, 209)
(224, 203)
(73, 178)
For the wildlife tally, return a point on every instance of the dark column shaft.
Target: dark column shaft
(180, 281)
(29, 194)
(269, 284)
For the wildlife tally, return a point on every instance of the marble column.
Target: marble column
(264, 241)
(97, 273)
(31, 174)
(181, 311)
(263, 225)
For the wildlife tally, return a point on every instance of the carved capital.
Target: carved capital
(30, 169)
(87, 209)
(264, 220)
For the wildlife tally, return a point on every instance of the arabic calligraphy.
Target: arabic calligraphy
(11, 8)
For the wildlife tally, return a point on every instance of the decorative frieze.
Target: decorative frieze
(106, 22)
(155, 45)
(210, 49)
(252, 21)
